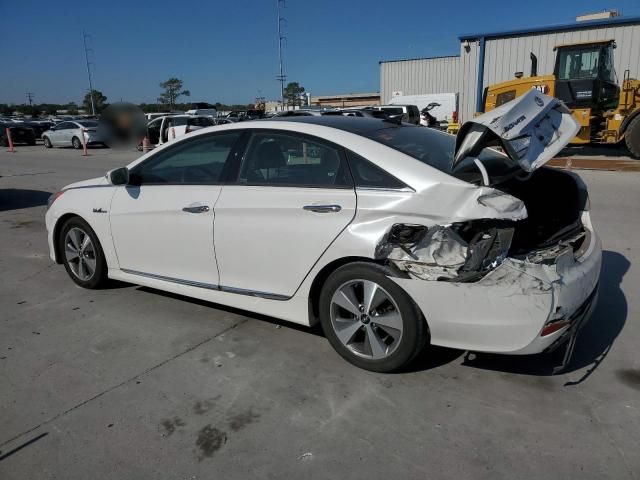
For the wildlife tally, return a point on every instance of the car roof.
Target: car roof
(357, 125)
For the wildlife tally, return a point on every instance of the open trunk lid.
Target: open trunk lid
(531, 130)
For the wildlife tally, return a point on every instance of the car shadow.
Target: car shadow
(594, 340)
(15, 198)
(315, 330)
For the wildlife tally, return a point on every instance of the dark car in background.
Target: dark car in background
(20, 134)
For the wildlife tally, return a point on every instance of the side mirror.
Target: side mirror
(119, 176)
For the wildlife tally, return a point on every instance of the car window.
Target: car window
(366, 174)
(196, 162)
(291, 160)
(63, 126)
(200, 121)
(177, 121)
(89, 124)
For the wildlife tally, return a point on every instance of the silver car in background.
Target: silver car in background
(73, 134)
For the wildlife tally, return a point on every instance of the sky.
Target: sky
(227, 51)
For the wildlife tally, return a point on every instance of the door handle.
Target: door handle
(322, 208)
(196, 209)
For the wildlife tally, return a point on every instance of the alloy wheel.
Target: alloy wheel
(366, 319)
(80, 253)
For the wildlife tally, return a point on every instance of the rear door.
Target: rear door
(293, 197)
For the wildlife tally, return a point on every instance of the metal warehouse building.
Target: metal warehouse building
(488, 58)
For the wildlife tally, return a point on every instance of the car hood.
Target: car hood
(531, 130)
(92, 182)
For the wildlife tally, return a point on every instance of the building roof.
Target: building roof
(418, 58)
(555, 28)
(346, 95)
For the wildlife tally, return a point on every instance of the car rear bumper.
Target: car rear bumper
(508, 309)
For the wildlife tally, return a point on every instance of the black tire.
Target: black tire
(414, 334)
(632, 137)
(4, 141)
(31, 143)
(99, 277)
(76, 143)
(47, 142)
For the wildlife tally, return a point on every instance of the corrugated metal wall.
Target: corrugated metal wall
(503, 57)
(415, 77)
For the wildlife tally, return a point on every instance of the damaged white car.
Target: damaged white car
(391, 235)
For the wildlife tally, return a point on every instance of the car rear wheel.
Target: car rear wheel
(47, 142)
(369, 319)
(76, 143)
(82, 254)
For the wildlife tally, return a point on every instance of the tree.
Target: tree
(293, 93)
(172, 90)
(98, 100)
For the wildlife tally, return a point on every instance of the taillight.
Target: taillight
(554, 327)
(454, 116)
(187, 130)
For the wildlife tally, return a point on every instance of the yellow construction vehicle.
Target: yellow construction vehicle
(585, 80)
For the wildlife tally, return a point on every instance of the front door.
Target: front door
(162, 224)
(293, 197)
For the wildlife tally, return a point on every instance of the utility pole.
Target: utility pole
(86, 57)
(281, 77)
(29, 98)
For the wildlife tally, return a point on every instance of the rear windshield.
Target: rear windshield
(88, 124)
(201, 121)
(436, 149)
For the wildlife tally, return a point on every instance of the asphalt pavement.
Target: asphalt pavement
(131, 382)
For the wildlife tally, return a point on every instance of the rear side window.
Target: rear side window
(280, 159)
(177, 121)
(367, 175)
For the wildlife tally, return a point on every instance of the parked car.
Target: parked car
(39, 126)
(20, 133)
(71, 133)
(207, 112)
(153, 116)
(225, 120)
(391, 235)
(410, 113)
(168, 128)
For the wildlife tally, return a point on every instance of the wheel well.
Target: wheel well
(56, 234)
(321, 277)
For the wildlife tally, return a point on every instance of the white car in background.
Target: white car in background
(73, 134)
(390, 235)
(170, 127)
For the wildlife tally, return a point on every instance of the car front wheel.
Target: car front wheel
(47, 142)
(82, 254)
(369, 319)
(77, 144)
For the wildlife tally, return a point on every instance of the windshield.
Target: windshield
(586, 63)
(436, 149)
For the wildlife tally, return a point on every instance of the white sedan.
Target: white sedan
(391, 235)
(73, 134)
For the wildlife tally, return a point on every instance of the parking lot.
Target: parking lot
(130, 382)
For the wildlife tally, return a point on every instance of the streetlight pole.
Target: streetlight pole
(281, 76)
(86, 57)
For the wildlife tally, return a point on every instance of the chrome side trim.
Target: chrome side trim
(254, 293)
(208, 286)
(191, 283)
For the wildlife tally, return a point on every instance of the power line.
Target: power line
(29, 98)
(281, 77)
(86, 57)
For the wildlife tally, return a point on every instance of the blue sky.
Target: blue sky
(227, 50)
